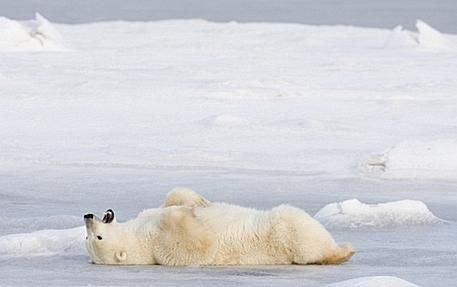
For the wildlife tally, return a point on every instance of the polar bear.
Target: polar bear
(190, 230)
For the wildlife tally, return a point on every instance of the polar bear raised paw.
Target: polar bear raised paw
(183, 196)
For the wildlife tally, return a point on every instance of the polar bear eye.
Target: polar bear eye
(99, 237)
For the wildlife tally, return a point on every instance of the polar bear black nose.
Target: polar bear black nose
(88, 216)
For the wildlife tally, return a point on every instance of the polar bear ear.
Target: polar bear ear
(108, 217)
(121, 256)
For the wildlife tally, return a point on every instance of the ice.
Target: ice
(43, 242)
(355, 214)
(35, 35)
(374, 281)
(430, 38)
(426, 38)
(255, 114)
(416, 159)
(19, 225)
(401, 38)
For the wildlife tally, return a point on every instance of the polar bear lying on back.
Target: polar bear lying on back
(190, 230)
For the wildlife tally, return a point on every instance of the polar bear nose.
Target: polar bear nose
(88, 216)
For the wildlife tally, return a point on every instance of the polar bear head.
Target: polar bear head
(107, 241)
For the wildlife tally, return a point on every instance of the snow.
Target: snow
(374, 281)
(415, 159)
(429, 38)
(426, 38)
(355, 214)
(254, 114)
(43, 242)
(225, 120)
(35, 35)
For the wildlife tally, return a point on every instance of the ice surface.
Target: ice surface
(355, 214)
(253, 114)
(35, 35)
(374, 281)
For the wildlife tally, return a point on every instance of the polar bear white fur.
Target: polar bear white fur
(190, 230)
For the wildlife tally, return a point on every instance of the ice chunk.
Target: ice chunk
(400, 38)
(432, 39)
(426, 38)
(35, 35)
(355, 214)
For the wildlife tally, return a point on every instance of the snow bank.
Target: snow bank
(355, 214)
(432, 159)
(35, 35)
(426, 38)
(374, 281)
(43, 242)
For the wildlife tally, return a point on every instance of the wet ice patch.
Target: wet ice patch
(34, 35)
(374, 281)
(432, 159)
(355, 214)
(43, 242)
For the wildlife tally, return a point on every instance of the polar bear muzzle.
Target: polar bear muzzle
(89, 219)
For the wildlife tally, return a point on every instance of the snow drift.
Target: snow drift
(43, 242)
(431, 159)
(355, 214)
(35, 35)
(374, 281)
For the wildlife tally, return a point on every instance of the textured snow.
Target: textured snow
(355, 214)
(253, 114)
(374, 281)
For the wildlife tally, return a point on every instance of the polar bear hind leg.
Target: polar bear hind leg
(305, 239)
(183, 239)
(339, 255)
